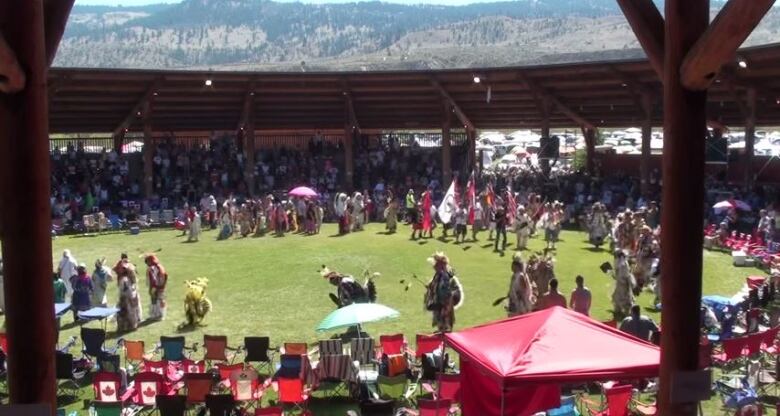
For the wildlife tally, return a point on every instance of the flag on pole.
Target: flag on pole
(449, 204)
(471, 196)
(511, 204)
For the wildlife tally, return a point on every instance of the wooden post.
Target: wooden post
(119, 138)
(26, 244)
(446, 146)
(544, 162)
(590, 150)
(685, 128)
(471, 137)
(647, 136)
(249, 153)
(750, 136)
(349, 170)
(148, 150)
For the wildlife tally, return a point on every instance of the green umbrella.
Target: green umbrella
(356, 314)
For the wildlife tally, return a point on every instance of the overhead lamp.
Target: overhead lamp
(477, 80)
(155, 93)
(624, 85)
(208, 82)
(777, 100)
(138, 113)
(742, 63)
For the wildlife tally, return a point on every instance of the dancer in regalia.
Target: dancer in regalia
(623, 295)
(646, 253)
(598, 224)
(521, 298)
(157, 281)
(443, 294)
(129, 315)
(349, 290)
(522, 226)
(100, 278)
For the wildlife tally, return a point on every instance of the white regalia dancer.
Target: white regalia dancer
(67, 269)
(598, 225)
(623, 295)
(100, 278)
(521, 298)
(358, 214)
(194, 225)
(340, 208)
(522, 226)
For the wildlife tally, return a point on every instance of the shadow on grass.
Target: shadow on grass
(593, 249)
(116, 334)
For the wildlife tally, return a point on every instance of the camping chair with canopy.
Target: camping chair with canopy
(258, 350)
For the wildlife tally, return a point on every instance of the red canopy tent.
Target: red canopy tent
(516, 366)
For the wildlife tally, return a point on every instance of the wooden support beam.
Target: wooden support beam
(682, 219)
(247, 107)
(148, 149)
(648, 25)
(719, 43)
(12, 76)
(455, 107)
(647, 135)
(554, 101)
(446, 144)
(25, 213)
(590, 150)
(247, 128)
(138, 107)
(56, 14)
(750, 135)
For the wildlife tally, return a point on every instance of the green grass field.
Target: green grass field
(271, 286)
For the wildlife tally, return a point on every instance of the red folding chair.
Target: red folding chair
(753, 344)
(769, 340)
(392, 344)
(732, 350)
(292, 392)
(617, 398)
(198, 387)
(436, 407)
(216, 349)
(427, 344)
(269, 411)
(106, 386)
(225, 370)
(448, 387)
(245, 387)
(146, 387)
(188, 366)
(296, 348)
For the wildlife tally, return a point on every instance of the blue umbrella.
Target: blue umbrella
(355, 315)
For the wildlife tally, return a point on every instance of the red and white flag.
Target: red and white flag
(449, 204)
(471, 196)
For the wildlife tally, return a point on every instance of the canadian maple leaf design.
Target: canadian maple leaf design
(108, 390)
(150, 392)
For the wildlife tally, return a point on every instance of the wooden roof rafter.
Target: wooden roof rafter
(550, 98)
(12, 76)
(55, 14)
(648, 25)
(454, 105)
(147, 96)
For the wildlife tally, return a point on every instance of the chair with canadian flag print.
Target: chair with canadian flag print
(146, 386)
(106, 386)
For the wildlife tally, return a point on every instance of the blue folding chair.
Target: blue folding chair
(568, 407)
(172, 348)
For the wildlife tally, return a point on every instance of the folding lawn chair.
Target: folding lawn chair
(188, 366)
(220, 404)
(135, 354)
(293, 393)
(295, 348)
(290, 366)
(245, 387)
(392, 344)
(616, 399)
(436, 407)
(335, 373)
(108, 362)
(159, 367)
(258, 350)
(198, 386)
(174, 405)
(427, 344)
(568, 407)
(397, 389)
(732, 350)
(94, 340)
(448, 387)
(769, 340)
(172, 348)
(106, 386)
(146, 387)
(362, 351)
(67, 378)
(269, 411)
(107, 408)
(216, 349)
(330, 347)
(224, 371)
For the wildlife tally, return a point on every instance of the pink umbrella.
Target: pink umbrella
(303, 192)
